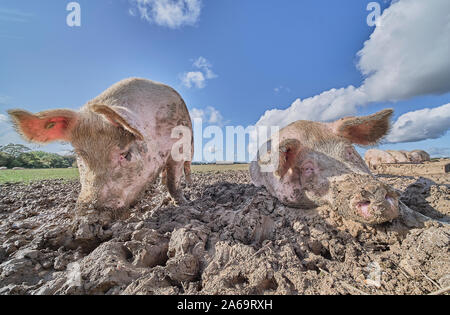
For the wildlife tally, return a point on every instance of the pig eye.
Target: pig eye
(126, 156)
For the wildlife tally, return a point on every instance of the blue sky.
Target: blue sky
(264, 55)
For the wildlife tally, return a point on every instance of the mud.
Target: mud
(232, 238)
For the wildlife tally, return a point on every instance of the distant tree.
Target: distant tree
(5, 159)
(17, 155)
(15, 150)
(71, 160)
(29, 160)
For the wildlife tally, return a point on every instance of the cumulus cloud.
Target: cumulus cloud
(168, 13)
(428, 123)
(326, 106)
(215, 117)
(198, 78)
(205, 65)
(193, 78)
(3, 118)
(210, 115)
(407, 55)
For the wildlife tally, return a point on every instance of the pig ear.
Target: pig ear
(120, 117)
(288, 154)
(366, 130)
(288, 151)
(45, 127)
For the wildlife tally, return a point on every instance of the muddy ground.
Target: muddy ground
(232, 238)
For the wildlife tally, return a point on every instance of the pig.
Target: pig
(123, 139)
(374, 158)
(419, 156)
(407, 154)
(399, 156)
(318, 164)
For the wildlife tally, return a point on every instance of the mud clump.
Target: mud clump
(232, 238)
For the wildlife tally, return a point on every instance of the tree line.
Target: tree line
(18, 155)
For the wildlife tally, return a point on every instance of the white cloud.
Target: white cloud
(215, 117)
(281, 88)
(169, 13)
(203, 64)
(198, 78)
(407, 55)
(421, 125)
(194, 78)
(326, 106)
(3, 118)
(197, 113)
(210, 115)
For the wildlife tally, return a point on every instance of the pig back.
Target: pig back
(158, 107)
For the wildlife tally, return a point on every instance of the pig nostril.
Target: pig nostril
(389, 199)
(364, 204)
(363, 208)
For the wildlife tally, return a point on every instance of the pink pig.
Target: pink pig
(317, 164)
(374, 158)
(123, 138)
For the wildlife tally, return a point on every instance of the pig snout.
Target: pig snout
(375, 203)
(363, 199)
(99, 193)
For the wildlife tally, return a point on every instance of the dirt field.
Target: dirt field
(232, 238)
(30, 175)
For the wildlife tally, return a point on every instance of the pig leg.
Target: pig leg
(187, 172)
(164, 177)
(174, 174)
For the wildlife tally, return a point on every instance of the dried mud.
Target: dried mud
(232, 238)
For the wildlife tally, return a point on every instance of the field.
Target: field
(29, 175)
(231, 238)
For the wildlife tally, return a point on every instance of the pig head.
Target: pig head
(317, 164)
(122, 139)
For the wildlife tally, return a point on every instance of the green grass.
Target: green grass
(37, 174)
(30, 175)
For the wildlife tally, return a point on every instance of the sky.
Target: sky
(263, 62)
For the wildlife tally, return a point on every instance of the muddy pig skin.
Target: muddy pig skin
(123, 139)
(317, 164)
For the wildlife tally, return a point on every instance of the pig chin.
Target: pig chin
(106, 202)
(366, 200)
